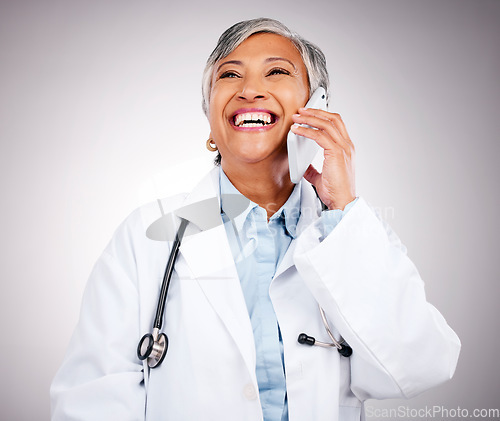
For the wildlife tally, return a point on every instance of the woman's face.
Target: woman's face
(255, 91)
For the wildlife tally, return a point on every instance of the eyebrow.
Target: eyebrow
(271, 59)
(268, 60)
(239, 63)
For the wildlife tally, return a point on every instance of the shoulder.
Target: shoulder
(132, 233)
(155, 222)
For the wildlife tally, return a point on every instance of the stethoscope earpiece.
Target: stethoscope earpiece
(342, 347)
(345, 351)
(305, 339)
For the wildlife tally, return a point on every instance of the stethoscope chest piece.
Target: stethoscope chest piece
(153, 347)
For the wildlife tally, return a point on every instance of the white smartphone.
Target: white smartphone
(301, 150)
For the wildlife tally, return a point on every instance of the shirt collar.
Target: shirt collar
(289, 213)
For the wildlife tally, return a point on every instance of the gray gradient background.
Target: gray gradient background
(100, 102)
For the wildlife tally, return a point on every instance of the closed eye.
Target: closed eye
(229, 74)
(278, 71)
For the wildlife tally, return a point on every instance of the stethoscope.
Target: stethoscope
(153, 346)
(342, 347)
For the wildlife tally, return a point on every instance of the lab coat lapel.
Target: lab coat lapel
(310, 210)
(209, 257)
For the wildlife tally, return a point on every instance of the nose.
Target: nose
(252, 89)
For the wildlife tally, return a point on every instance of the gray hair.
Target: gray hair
(312, 56)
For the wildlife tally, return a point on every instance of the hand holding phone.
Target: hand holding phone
(335, 184)
(301, 150)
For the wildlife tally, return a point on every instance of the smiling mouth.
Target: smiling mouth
(254, 119)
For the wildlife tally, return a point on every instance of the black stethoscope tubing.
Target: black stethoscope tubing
(153, 346)
(168, 275)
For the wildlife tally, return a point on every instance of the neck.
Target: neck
(268, 185)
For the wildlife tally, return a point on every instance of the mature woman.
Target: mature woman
(245, 288)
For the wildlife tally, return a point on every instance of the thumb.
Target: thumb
(312, 176)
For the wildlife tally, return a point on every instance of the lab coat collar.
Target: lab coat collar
(206, 250)
(208, 255)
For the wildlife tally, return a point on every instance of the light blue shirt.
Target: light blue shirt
(258, 246)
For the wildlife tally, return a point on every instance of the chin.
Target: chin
(255, 155)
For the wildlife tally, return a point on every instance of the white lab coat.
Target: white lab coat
(360, 275)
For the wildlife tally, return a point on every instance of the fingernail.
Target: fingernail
(296, 115)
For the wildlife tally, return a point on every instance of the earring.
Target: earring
(211, 146)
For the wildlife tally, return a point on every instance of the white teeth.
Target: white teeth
(251, 119)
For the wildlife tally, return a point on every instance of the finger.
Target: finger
(325, 125)
(319, 136)
(333, 117)
(313, 176)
